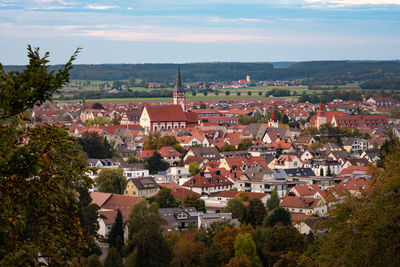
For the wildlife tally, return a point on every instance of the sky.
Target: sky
(184, 31)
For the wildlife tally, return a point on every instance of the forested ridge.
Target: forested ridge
(320, 72)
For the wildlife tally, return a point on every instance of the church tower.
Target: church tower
(321, 117)
(179, 92)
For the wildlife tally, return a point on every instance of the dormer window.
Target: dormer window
(182, 216)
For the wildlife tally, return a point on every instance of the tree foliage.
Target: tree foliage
(165, 198)
(194, 168)
(194, 201)
(111, 181)
(40, 169)
(273, 201)
(116, 235)
(146, 244)
(244, 245)
(279, 216)
(156, 163)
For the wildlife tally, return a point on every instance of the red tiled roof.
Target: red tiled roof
(354, 168)
(208, 179)
(299, 202)
(169, 151)
(308, 190)
(165, 113)
(121, 202)
(99, 197)
(355, 184)
(178, 191)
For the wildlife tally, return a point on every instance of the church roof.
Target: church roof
(166, 113)
(178, 85)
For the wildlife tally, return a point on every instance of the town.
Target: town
(220, 161)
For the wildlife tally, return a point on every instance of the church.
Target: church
(168, 117)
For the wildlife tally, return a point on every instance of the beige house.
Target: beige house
(142, 187)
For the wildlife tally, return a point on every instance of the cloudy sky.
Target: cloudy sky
(180, 31)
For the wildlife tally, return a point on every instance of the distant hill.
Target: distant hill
(323, 72)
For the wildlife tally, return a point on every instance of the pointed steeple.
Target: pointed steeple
(178, 85)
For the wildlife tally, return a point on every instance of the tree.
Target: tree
(40, 167)
(94, 261)
(93, 144)
(109, 147)
(156, 163)
(244, 245)
(155, 141)
(116, 235)
(228, 147)
(364, 229)
(194, 201)
(111, 181)
(97, 105)
(145, 237)
(256, 212)
(187, 250)
(241, 261)
(205, 93)
(273, 201)
(203, 106)
(285, 119)
(194, 168)
(238, 93)
(133, 160)
(237, 208)
(245, 143)
(274, 242)
(249, 93)
(227, 93)
(165, 198)
(113, 258)
(321, 172)
(278, 216)
(259, 93)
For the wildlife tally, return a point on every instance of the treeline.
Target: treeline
(120, 94)
(315, 72)
(330, 96)
(381, 85)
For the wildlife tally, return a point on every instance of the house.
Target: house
(174, 219)
(382, 101)
(305, 205)
(208, 182)
(309, 225)
(143, 187)
(206, 219)
(286, 162)
(230, 194)
(210, 153)
(178, 174)
(355, 185)
(370, 155)
(178, 191)
(162, 117)
(109, 205)
(170, 155)
(355, 144)
(312, 191)
(323, 167)
(360, 121)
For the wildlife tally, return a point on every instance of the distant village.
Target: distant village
(310, 155)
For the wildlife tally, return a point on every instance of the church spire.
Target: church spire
(178, 85)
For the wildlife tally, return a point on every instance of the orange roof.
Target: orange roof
(299, 202)
(355, 184)
(308, 190)
(166, 113)
(354, 168)
(178, 191)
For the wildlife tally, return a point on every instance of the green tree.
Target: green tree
(109, 147)
(111, 181)
(93, 144)
(259, 93)
(364, 229)
(273, 201)
(249, 93)
(165, 198)
(238, 93)
(203, 106)
(244, 245)
(256, 212)
(133, 160)
(40, 167)
(278, 216)
(273, 243)
(228, 147)
(237, 208)
(227, 93)
(156, 163)
(194, 168)
(97, 105)
(145, 237)
(245, 143)
(194, 201)
(115, 237)
(113, 258)
(94, 261)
